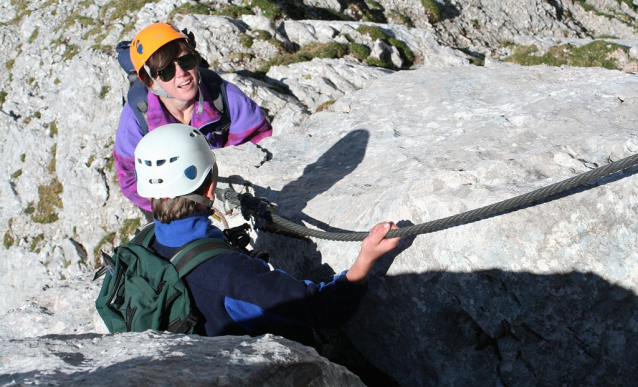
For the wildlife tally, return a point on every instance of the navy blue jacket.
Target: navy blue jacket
(239, 295)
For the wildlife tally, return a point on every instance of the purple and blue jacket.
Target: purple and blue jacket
(248, 123)
(239, 295)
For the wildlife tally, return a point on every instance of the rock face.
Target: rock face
(531, 297)
(152, 358)
(545, 295)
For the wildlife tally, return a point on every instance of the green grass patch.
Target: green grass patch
(262, 35)
(325, 105)
(402, 18)
(83, 21)
(129, 228)
(360, 51)
(92, 31)
(101, 47)
(90, 161)
(595, 54)
(70, 51)
(108, 238)
(23, 157)
(234, 11)
(49, 200)
(585, 6)
(268, 8)
(629, 4)
(103, 92)
(406, 54)
(332, 50)
(54, 152)
(321, 13)
(246, 40)
(374, 4)
(53, 129)
(9, 64)
(373, 32)
(380, 63)
(21, 10)
(110, 162)
(121, 8)
(3, 97)
(37, 115)
(34, 34)
(30, 209)
(8, 240)
(188, 9)
(35, 242)
(377, 33)
(434, 13)
(16, 174)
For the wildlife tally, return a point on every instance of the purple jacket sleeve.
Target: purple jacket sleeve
(248, 123)
(127, 137)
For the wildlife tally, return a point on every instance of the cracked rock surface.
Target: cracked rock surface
(545, 295)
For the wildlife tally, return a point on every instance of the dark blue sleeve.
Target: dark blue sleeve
(251, 294)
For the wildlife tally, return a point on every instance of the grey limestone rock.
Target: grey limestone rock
(324, 80)
(531, 297)
(545, 295)
(153, 358)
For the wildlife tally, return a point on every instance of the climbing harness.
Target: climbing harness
(265, 218)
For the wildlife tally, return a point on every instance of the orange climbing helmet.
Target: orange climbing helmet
(149, 40)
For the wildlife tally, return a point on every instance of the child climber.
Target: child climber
(233, 293)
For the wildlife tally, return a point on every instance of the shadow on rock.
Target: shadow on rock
(494, 328)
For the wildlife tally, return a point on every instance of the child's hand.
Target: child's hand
(372, 247)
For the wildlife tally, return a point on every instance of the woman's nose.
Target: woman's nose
(179, 70)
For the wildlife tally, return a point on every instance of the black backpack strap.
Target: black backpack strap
(138, 101)
(217, 89)
(197, 252)
(136, 96)
(145, 236)
(183, 326)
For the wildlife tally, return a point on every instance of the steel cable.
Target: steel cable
(466, 217)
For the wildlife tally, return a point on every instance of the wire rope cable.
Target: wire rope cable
(465, 217)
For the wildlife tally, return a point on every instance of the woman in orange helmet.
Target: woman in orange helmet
(167, 63)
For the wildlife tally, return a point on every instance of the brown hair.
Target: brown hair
(168, 210)
(162, 57)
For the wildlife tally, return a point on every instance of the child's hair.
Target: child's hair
(162, 57)
(168, 210)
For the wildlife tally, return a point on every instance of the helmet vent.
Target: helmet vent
(160, 162)
(148, 163)
(190, 172)
(173, 159)
(156, 181)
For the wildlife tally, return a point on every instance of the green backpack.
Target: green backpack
(141, 290)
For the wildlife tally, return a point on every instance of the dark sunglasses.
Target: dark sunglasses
(186, 62)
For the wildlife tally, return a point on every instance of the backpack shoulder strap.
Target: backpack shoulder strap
(137, 99)
(217, 89)
(197, 252)
(145, 236)
(137, 92)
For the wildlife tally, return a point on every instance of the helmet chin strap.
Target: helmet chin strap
(199, 199)
(160, 92)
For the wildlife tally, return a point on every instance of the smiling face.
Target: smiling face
(183, 86)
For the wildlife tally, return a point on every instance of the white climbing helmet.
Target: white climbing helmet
(172, 160)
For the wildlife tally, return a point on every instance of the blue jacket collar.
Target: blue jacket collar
(179, 232)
